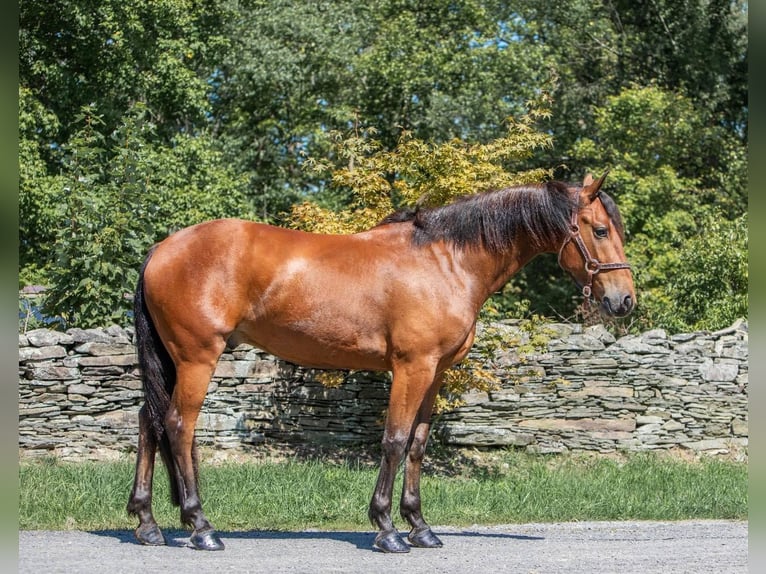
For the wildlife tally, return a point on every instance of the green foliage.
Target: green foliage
(675, 201)
(442, 70)
(122, 194)
(651, 132)
(112, 53)
(416, 173)
(241, 95)
(277, 91)
(99, 243)
(707, 282)
(299, 72)
(594, 49)
(115, 150)
(37, 188)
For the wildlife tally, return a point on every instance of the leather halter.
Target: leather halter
(592, 265)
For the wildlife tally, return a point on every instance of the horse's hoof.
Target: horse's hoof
(424, 538)
(390, 541)
(150, 535)
(206, 540)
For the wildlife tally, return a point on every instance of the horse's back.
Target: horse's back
(221, 247)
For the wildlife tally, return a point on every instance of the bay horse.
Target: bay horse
(402, 296)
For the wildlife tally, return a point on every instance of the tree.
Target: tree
(120, 195)
(439, 70)
(708, 287)
(276, 91)
(38, 188)
(115, 143)
(680, 184)
(417, 173)
(110, 54)
(246, 95)
(445, 69)
(694, 55)
(595, 49)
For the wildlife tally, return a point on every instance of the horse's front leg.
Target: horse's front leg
(408, 389)
(388, 539)
(421, 534)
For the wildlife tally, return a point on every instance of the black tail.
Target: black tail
(158, 373)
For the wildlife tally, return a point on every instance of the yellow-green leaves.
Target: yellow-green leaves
(418, 172)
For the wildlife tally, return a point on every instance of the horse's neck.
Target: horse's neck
(494, 270)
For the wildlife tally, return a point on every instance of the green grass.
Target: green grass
(511, 488)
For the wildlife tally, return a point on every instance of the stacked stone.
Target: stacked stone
(254, 396)
(80, 392)
(640, 392)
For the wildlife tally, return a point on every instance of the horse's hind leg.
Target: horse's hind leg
(140, 501)
(421, 534)
(185, 404)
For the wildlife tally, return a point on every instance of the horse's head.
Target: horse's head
(592, 252)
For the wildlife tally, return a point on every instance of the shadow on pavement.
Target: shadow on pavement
(361, 540)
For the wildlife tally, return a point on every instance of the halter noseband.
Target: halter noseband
(592, 265)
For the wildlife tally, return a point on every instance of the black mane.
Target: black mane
(495, 219)
(614, 214)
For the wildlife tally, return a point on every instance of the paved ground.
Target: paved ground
(697, 547)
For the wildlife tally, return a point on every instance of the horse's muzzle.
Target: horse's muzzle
(618, 306)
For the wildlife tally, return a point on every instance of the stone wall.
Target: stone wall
(639, 392)
(79, 394)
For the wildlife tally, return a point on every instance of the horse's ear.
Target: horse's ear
(590, 188)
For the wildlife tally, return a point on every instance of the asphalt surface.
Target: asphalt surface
(622, 547)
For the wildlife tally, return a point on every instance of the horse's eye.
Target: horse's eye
(600, 232)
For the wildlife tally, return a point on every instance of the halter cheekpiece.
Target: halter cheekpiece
(592, 265)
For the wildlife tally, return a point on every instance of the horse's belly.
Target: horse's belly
(320, 348)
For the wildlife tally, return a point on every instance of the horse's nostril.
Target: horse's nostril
(628, 302)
